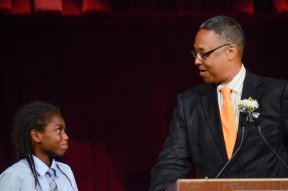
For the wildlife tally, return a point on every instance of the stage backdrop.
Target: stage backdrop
(115, 78)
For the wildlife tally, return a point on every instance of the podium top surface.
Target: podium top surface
(233, 180)
(239, 184)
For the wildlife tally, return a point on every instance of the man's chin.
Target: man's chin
(207, 80)
(210, 81)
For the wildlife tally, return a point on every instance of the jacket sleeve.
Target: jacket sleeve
(175, 159)
(284, 104)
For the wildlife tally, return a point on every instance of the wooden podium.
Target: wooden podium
(253, 184)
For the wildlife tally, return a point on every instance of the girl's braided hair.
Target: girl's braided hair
(33, 115)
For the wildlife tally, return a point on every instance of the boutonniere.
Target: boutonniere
(248, 107)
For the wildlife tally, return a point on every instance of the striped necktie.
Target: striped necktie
(51, 180)
(228, 121)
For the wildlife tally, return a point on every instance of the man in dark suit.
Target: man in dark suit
(196, 138)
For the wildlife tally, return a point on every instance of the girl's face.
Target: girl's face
(52, 140)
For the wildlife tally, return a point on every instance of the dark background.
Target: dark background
(115, 71)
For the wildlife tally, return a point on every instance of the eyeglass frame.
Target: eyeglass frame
(205, 55)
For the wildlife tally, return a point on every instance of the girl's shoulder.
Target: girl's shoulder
(63, 167)
(17, 171)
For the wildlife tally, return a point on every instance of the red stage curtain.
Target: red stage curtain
(180, 7)
(191, 7)
(71, 7)
(96, 170)
(97, 6)
(116, 78)
(44, 5)
(5, 5)
(240, 6)
(281, 6)
(22, 7)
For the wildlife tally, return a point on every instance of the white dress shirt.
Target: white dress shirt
(19, 177)
(236, 85)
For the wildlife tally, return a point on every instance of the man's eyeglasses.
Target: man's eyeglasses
(205, 55)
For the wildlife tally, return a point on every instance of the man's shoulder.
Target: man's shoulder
(269, 81)
(198, 90)
(252, 76)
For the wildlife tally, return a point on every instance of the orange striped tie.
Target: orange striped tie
(228, 121)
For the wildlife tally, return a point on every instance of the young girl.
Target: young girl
(40, 136)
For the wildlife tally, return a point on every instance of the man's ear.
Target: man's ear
(35, 136)
(232, 51)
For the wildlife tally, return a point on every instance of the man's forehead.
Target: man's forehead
(206, 35)
(205, 38)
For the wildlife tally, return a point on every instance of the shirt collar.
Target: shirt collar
(42, 168)
(236, 83)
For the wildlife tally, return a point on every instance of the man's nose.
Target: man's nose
(197, 61)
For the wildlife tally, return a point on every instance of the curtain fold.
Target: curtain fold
(96, 6)
(116, 80)
(281, 6)
(5, 5)
(152, 7)
(47, 6)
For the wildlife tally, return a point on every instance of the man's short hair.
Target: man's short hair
(228, 30)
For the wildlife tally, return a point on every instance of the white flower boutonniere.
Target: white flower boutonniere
(248, 106)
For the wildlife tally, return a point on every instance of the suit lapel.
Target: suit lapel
(250, 85)
(250, 89)
(211, 110)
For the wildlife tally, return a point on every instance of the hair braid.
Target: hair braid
(34, 115)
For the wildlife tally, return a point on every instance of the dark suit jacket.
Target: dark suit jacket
(195, 139)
